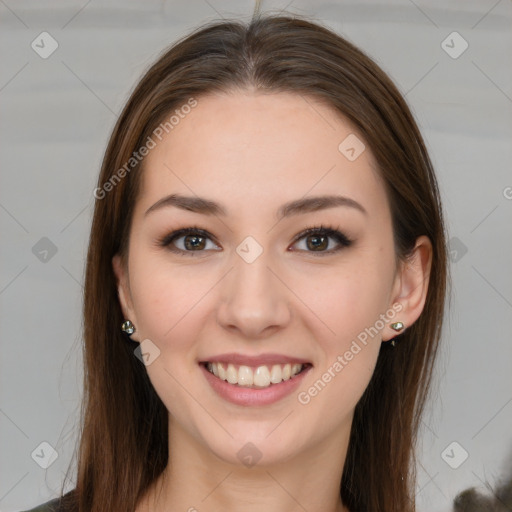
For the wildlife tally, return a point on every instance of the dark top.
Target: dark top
(49, 506)
(54, 505)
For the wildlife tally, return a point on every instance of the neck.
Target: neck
(197, 480)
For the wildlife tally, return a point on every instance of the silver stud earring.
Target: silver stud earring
(396, 326)
(128, 327)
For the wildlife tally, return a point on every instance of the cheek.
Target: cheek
(348, 305)
(170, 302)
(159, 297)
(340, 387)
(345, 300)
(347, 343)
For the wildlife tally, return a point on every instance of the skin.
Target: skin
(252, 152)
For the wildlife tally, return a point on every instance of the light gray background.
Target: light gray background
(56, 116)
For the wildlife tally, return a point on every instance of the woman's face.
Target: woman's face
(248, 289)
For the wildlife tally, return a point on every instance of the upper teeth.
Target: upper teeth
(261, 376)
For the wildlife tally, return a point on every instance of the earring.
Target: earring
(128, 327)
(397, 326)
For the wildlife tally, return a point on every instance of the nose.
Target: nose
(254, 300)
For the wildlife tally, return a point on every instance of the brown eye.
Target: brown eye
(188, 240)
(193, 242)
(319, 240)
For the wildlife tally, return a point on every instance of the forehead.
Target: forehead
(247, 148)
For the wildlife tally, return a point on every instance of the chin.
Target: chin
(253, 450)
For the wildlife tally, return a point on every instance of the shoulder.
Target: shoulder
(58, 504)
(49, 506)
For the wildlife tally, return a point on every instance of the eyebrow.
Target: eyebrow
(299, 206)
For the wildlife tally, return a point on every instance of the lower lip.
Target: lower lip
(240, 395)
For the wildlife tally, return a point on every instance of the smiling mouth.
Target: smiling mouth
(255, 377)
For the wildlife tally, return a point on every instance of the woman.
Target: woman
(265, 283)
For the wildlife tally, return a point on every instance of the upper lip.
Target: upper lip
(263, 359)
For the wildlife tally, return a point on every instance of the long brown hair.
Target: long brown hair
(123, 443)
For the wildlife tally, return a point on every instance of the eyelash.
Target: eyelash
(327, 231)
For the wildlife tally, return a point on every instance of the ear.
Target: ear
(123, 292)
(411, 286)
